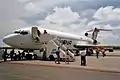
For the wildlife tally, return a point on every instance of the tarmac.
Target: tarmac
(109, 63)
(103, 68)
(33, 72)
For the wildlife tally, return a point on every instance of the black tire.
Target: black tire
(51, 57)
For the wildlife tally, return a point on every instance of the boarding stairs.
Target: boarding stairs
(37, 38)
(63, 49)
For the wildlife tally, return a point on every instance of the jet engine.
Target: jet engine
(95, 42)
(86, 34)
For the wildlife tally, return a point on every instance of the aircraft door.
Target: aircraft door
(36, 34)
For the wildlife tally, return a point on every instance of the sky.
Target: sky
(72, 16)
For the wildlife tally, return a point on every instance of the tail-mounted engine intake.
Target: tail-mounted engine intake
(86, 34)
(95, 42)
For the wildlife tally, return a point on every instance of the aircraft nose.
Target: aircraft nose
(9, 39)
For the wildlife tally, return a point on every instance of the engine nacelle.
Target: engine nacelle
(86, 34)
(95, 42)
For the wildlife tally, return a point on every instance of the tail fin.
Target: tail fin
(95, 32)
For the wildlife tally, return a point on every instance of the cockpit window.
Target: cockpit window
(17, 32)
(21, 32)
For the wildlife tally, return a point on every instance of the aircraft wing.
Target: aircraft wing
(7, 48)
(93, 46)
(19, 48)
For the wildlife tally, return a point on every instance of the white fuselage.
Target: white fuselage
(24, 39)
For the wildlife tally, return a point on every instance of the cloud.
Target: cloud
(70, 21)
(63, 15)
(73, 16)
(10, 14)
(22, 1)
(107, 17)
(107, 14)
(38, 6)
(73, 23)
